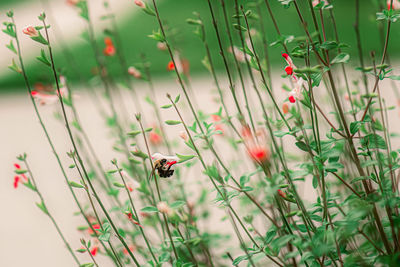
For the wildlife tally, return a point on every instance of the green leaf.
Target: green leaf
(194, 21)
(150, 209)
(178, 204)
(149, 11)
(42, 206)
(354, 127)
(341, 58)
(83, 9)
(15, 67)
(133, 134)
(177, 98)
(75, 184)
(20, 171)
(166, 106)
(239, 259)
(172, 122)
(373, 141)
(11, 47)
(40, 39)
(43, 58)
(91, 264)
(118, 185)
(183, 158)
(140, 154)
(302, 146)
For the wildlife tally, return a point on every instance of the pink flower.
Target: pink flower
(155, 138)
(184, 136)
(285, 108)
(30, 31)
(46, 99)
(164, 208)
(140, 3)
(217, 126)
(239, 54)
(161, 46)
(134, 72)
(395, 5)
(315, 2)
(131, 248)
(72, 2)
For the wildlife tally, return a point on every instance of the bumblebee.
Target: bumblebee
(164, 164)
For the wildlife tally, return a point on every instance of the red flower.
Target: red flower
(155, 138)
(95, 227)
(170, 66)
(259, 153)
(281, 193)
(289, 70)
(94, 251)
(16, 181)
(131, 248)
(109, 50)
(292, 99)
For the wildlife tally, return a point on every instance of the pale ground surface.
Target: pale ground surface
(27, 236)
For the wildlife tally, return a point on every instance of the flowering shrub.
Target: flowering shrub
(140, 212)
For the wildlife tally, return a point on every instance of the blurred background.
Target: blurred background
(27, 236)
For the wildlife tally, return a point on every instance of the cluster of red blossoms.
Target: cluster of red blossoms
(298, 81)
(20, 178)
(109, 50)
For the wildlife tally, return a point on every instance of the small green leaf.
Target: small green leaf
(166, 106)
(302, 146)
(15, 67)
(139, 154)
(40, 39)
(341, 58)
(183, 158)
(172, 122)
(43, 58)
(118, 185)
(178, 204)
(133, 134)
(150, 209)
(11, 47)
(75, 184)
(354, 127)
(177, 98)
(42, 206)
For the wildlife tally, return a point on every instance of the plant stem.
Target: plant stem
(46, 211)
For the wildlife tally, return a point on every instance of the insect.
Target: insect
(164, 164)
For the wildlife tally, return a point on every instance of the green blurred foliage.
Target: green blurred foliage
(134, 31)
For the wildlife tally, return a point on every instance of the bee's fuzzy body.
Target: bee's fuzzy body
(163, 168)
